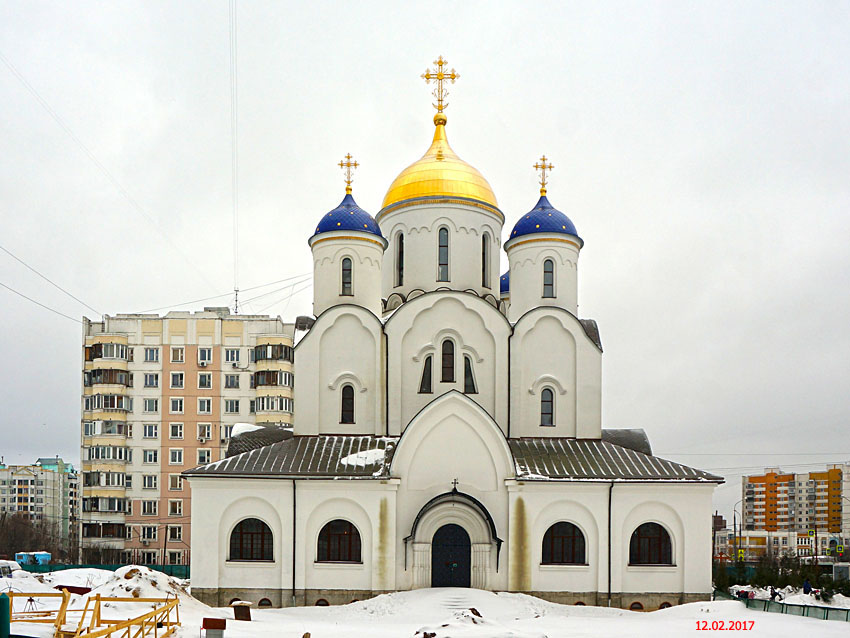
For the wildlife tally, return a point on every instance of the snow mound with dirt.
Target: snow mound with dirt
(135, 581)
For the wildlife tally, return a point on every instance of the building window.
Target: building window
(650, 545)
(264, 602)
(399, 260)
(425, 382)
(175, 431)
(636, 606)
(347, 404)
(150, 456)
(204, 380)
(339, 542)
(175, 482)
(563, 544)
(548, 278)
(443, 255)
(175, 533)
(150, 430)
(231, 406)
(204, 406)
(151, 380)
(346, 277)
(204, 456)
(175, 507)
(231, 381)
(151, 406)
(176, 379)
(204, 356)
(151, 355)
(468, 378)
(485, 260)
(149, 481)
(149, 558)
(204, 431)
(176, 406)
(177, 354)
(149, 532)
(448, 363)
(175, 558)
(175, 456)
(231, 355)
(150, 508)
(547, 407)
(252, 540)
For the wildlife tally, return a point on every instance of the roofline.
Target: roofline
(440, 199)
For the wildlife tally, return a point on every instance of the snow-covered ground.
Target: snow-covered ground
(437, 613)
(793, 596)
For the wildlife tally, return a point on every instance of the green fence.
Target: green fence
(810, 611)
(178, 571)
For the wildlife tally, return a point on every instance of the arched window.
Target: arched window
(563, 544)
(443, 255)
(636, 606)
(468, 379)
(346, 277)
(346, 413)
(547, 407)
(485, 260)
(251, 539)
(664, 605)
(548, 278)
(425, 383)
(339, 542)
(650, 545)
(322, 603)
(264, 602)
(399, 260)
(448, 365)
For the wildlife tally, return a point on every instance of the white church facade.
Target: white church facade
(448, 425)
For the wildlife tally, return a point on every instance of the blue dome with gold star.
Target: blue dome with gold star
(543, 218)
(348, 216)
(505, 283)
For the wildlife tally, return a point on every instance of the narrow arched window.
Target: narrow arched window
(339, 542)
(468, 378)
(548, 278)
(443, 255)
(485, 260)
(650, 545)
(399, 260)
(547, 407)
(425, 382)
(251, 539)
(346, 277)
(448, 363)
(563, 544)
(346, 414)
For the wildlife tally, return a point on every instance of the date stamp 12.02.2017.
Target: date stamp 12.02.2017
(725, 625)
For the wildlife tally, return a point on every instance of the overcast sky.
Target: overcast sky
(702, 150)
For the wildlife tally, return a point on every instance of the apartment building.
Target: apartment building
(160, 395)
(781, 501)
(753, 544)
(44, 492)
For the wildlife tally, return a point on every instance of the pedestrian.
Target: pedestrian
(807, 587)
(774, 594)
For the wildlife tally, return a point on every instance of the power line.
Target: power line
(105, 171)
(38, 303)
(52, 283)
(234, 151)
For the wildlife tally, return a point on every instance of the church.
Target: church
(448, 423)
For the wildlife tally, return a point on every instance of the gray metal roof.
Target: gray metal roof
(369, 457)
(254, 439)
(634, 439)
(589, 459)
(335, 456)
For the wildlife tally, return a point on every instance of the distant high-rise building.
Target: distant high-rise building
(161, 395)
(783, 501)
(44, 492)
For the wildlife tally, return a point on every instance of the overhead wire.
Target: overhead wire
(234, 151)
(100, 166)
(52, 283)
(38, 303)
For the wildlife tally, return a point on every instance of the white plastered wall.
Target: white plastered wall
(418, 329)
(345, 345)
(526, 256)
(420, 225)
(366, 253)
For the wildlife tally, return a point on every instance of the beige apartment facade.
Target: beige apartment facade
(161, 395)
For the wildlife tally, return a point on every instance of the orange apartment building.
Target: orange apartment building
(161, 395)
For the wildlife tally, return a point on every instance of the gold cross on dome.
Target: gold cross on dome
(543, 166)
(440, 75)
(347, 165)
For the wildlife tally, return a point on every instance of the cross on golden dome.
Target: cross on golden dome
(440, 75)
(347, 165)
(542, 166)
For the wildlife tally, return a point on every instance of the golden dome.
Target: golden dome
(440, 173)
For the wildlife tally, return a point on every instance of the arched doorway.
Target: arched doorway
(451, 557)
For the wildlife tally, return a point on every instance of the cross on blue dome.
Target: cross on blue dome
(543, 218)
(348, 216)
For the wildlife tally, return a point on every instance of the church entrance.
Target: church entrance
(451, 557)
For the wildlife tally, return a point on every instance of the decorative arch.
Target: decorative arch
(651, 544)
(339, 541)
(251, 539)
(564, 543)
(546, 380)
(347, 377)
(442, 335)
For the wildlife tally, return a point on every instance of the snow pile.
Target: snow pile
(135, 581)
(364, 458)
(242, 428)
(793, 596)
(469, 623)
(81, 577)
